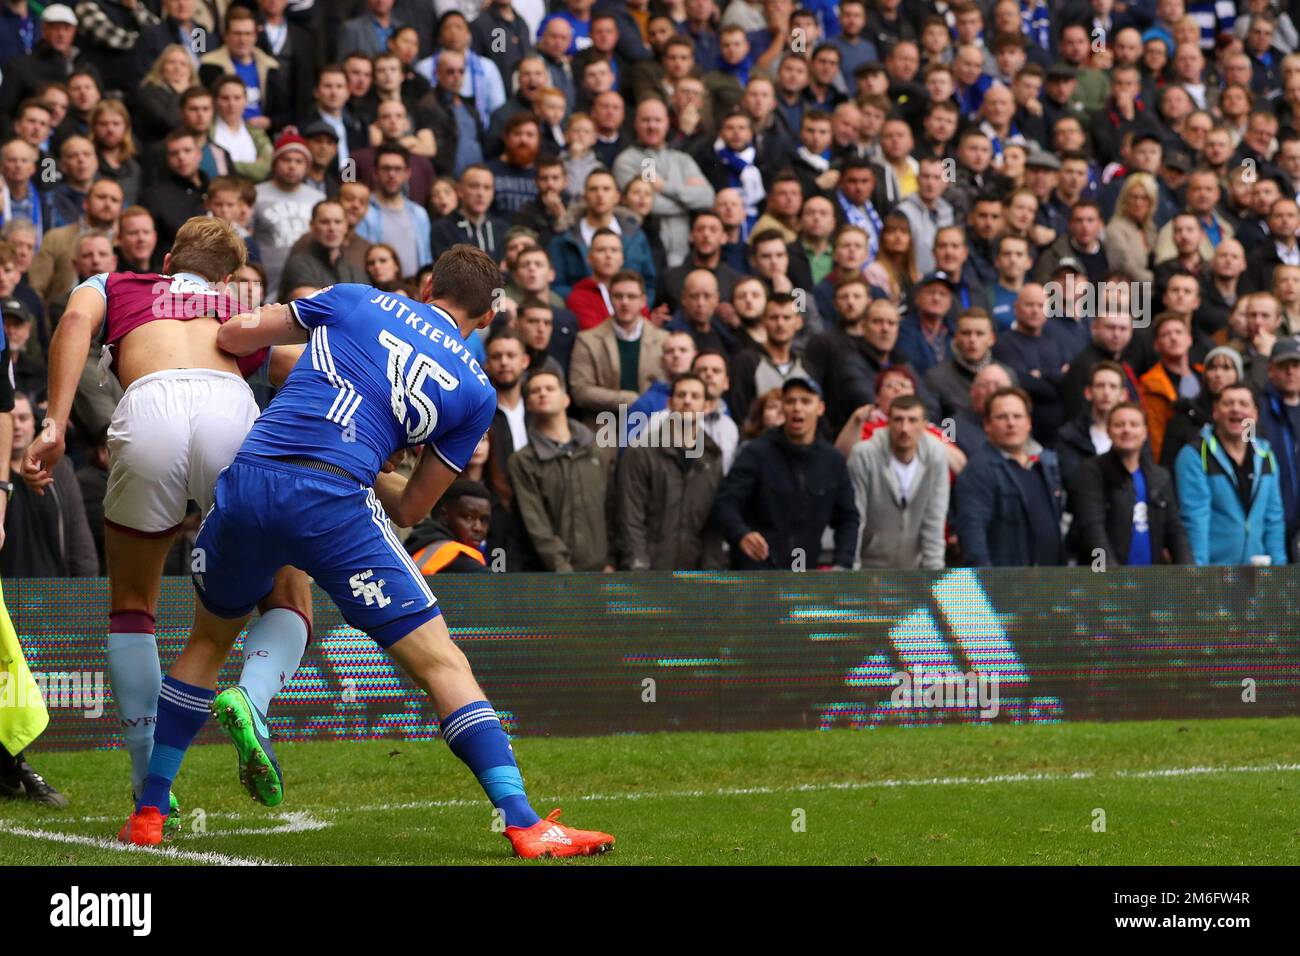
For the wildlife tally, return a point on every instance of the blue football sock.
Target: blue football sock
(182, 712)
(273, 650)
(475, 735)
(135, 677)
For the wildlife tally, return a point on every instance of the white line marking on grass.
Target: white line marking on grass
(308, 823)
(300, 821)
(1200, 771)
(103, 843)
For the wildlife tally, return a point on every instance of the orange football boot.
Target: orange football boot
(144, 828)
(549, 837)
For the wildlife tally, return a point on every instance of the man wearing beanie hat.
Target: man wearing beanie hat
(284, 204)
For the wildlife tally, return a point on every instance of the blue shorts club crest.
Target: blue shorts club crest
(267, 514)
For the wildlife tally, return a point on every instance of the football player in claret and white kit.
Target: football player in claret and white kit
(381, 373)
(184, 414)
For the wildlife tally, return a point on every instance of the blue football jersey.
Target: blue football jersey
(381, 372)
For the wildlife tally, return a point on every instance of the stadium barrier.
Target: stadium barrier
(706, 651)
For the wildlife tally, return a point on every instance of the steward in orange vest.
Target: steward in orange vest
(448, 540)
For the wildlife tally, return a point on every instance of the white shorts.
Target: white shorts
(170, 437)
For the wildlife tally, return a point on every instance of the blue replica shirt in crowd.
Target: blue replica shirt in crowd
(1139, 549)
(381, 372)
(248, 73)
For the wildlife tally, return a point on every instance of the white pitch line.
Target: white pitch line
(843, 785)
(103, 843)
(300, 821)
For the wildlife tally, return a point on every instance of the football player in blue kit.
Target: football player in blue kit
(307, 489)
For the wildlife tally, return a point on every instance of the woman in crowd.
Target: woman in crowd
(1131, 232)
(894, 270)
(158, 100)
(384, 270)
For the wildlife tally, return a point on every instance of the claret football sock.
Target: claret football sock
(135, 677)
(182, 712)
(273, 649)
(475, 735)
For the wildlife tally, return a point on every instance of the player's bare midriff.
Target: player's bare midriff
(169, 344)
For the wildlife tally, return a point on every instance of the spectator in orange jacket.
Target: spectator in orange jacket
(1171, 378)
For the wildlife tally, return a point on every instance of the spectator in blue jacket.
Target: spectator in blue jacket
(1229, 489)
(1279, 422)
(598, 211)
(785, 488)
(1008, 500)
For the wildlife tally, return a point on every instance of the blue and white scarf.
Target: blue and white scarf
(1035, 21)
(744, 176)
(866, 218)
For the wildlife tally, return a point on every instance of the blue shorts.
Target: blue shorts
(267, 514)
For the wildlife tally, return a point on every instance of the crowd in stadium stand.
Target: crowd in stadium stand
(868, 283)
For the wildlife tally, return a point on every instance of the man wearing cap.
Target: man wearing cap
(284, 205)
(1042, 176)
(323, 143)
(785, 488)
(1061, 97)
(28, 367)
(926, 335)
(54, 57)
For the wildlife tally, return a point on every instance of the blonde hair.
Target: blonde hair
(1143, 181)
(209, 247)
(155, 75)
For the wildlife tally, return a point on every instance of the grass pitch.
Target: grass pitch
(1194, 792)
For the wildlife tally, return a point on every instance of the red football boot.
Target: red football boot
(549, 837)
(144, 828)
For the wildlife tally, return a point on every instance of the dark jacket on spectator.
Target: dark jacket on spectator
(172, 201)
(48, 536)
(949, 382)
(1074, 447)
(788, 493)
(561, 496)
(664, 499)
(27, 74)
(1275, 425)
(1077, 378)
(1189, 417)
(992, 520)
(312, 267)
(1103, 500)
(1044, 354)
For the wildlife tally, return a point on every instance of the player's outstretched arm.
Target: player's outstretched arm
(68, 350)
(408, 502)
(266, 325)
